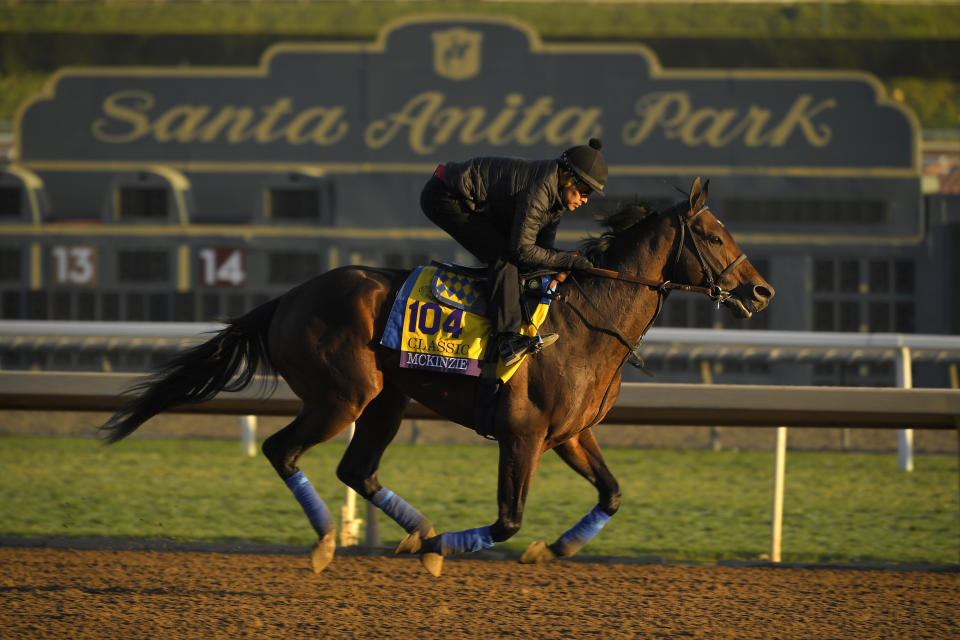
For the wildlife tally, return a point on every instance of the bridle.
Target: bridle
(663, 288)
(710, 274)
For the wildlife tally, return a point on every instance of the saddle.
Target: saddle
(438, 319)
(465, 287)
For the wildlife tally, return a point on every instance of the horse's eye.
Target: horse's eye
(715, 240)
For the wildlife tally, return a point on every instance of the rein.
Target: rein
(663, 287)
(714, 290)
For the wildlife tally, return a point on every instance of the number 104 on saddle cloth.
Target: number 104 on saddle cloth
(437, 321)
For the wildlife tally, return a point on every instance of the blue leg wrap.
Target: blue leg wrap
(400, 511)
(313, 506)
(584, 531)
(464, 541)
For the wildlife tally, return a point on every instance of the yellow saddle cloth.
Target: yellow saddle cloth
(437, 321)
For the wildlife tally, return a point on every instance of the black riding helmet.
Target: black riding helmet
(586, 162)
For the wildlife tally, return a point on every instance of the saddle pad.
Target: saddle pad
(460, 291)
(435, 336)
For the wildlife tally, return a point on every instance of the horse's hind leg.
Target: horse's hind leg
(284, 448)
(376, 428)
(583, 455)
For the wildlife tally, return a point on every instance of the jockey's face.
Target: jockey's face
(573, 193)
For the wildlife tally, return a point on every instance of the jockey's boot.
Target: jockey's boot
(513, 346)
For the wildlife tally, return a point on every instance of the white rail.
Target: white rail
(713, 405)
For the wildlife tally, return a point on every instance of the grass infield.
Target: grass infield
(680, 505)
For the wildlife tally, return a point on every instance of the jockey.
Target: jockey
(505, 211)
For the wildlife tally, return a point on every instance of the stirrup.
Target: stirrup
(512, 352)
(543, 341)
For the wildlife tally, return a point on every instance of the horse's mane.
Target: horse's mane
(616, 223)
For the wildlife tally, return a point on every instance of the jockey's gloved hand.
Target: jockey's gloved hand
(581, 263)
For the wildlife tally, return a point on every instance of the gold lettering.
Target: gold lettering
(753, 123)
(449, 119)
(527, 133)
(413, 116)
(428, 123)
(497, 132)
(129, 117)
(328, 126)
(673, 114)
(264, 131)
(573, 125)
(236, 118)
(179, 124)
(801, 115)
(666, 109)
(473, 130)
(128, 107)
(713, 122)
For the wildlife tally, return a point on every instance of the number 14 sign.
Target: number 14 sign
(222, 266)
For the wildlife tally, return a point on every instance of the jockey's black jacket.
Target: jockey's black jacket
(522, 200)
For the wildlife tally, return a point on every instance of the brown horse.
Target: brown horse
(323, 338)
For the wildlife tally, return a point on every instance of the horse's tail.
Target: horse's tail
(226, 362)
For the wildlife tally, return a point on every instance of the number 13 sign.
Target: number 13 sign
(223, 266)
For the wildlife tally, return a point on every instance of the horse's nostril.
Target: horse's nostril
(762, 293)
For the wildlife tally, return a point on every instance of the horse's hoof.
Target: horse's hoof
(432, 562)
(322, 552)
(410, 544)
(413, 542)
(538, 553)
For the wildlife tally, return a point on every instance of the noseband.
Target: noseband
(663, 287)
(710, 274)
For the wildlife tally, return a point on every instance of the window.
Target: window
(210, 307)
(904, 276)
(111, 306)
(86, 306)
(136, 307)
(879, 278)
(405, 261)
(292, 267)
(11, 305)
(236, 305)
(159, 307)
(849, 276)
(10, 267)
(61, 305)
(874, 295)
(823, 275)
(36, 305)
(143, 202)
(294, 204)
(183, 307)
(143, 266)
(803, 211)
(11, 202)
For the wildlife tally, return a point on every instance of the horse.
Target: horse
(322, 337)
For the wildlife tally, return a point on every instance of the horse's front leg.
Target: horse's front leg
(583, 455)
(518, 464)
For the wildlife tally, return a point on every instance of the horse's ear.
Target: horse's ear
(698, 195)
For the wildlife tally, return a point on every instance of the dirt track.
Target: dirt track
(98, 594)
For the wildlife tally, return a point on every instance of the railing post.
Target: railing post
(779, 474)
(706, 377)
(349, 524)
(905, 436)
(248, 435)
